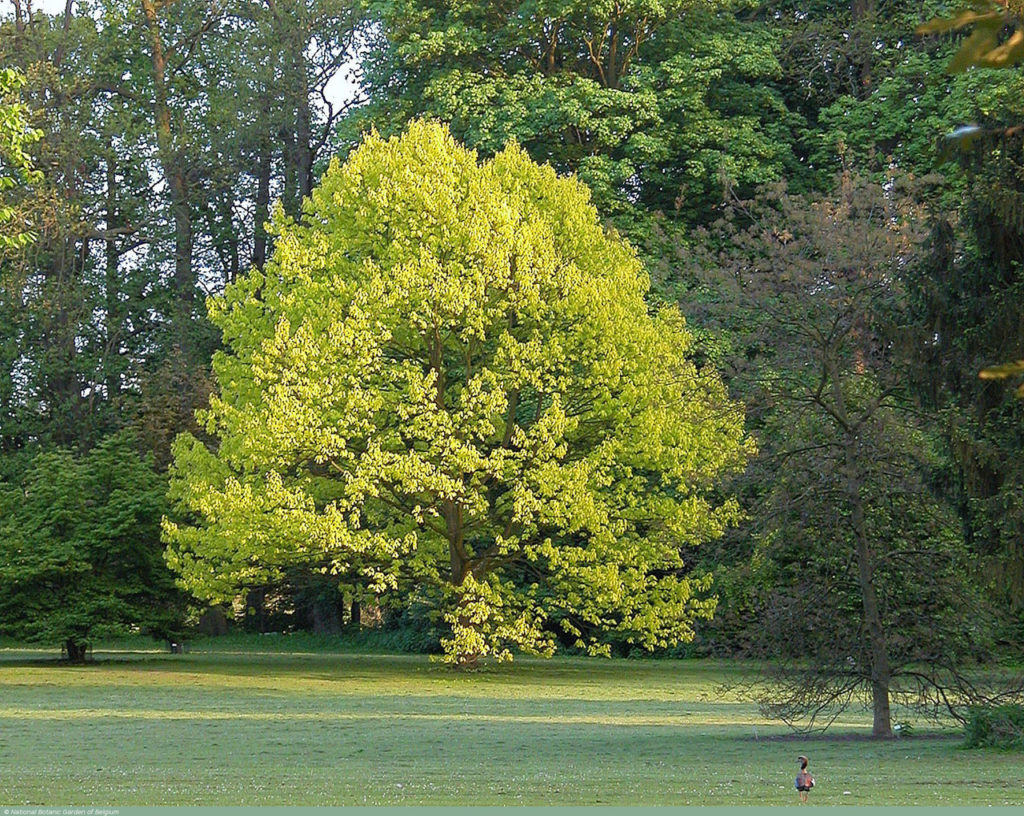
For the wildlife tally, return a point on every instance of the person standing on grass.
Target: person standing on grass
(804, 780)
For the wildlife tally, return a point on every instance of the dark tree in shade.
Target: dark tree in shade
(80, 552)
(862, 583)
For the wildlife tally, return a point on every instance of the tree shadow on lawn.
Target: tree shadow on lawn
(952, 733)
(57, 662)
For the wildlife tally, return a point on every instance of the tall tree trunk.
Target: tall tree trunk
(114, 319)
(184, 282)
(612, 73)
(878, 648)
(262, 214)
(229, 251)
(859, 10)
(451, 510)
(881, 674)
(303, 136)
(19, 21)
(458, 556)
(297, 135)
(58, 56)
(177, 183)
(326, 615)
(62, 386)
(290, 199)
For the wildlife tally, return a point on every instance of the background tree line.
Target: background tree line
(776, 164)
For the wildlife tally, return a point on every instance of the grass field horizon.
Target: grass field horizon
(250, 723)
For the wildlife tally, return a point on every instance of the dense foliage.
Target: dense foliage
(447, 376)
(996, 727)
(15, 164)
(660, 107)
(80, 553)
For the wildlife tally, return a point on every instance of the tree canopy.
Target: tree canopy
(80, 553)
(448, 375)
(659, 107)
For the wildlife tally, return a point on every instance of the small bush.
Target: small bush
(996, 727)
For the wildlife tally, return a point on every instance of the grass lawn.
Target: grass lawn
(278, 727)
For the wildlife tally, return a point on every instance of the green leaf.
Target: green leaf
(1008, 54)
(942, 25)
(976, 47)
(1002, 371)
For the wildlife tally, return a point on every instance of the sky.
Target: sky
(49, 6)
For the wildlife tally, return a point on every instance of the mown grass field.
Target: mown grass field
(274, 727)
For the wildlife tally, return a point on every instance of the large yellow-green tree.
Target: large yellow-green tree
(448, 380)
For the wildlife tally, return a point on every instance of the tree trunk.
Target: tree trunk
(58, 56)
(878, 650)
(76, 650)
(325, 615)
(612, 73)
(860, 9)
(881, 674)
(458, 560)
(230, 257)
(184, 285)
(262, 214)
(356, 614)
(213, 621)
(62, 385)
(303, 138)
(297, 135)
(290, 200)
(112, 284)
(177, 183)
(256, 610)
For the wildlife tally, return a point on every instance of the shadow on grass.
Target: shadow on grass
(55, 662)
(863, 736)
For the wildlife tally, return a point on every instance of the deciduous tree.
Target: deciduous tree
(447, 377)
(80, 554)
(659, 107)
(863, 586)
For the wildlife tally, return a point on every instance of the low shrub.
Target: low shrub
(996, 727)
